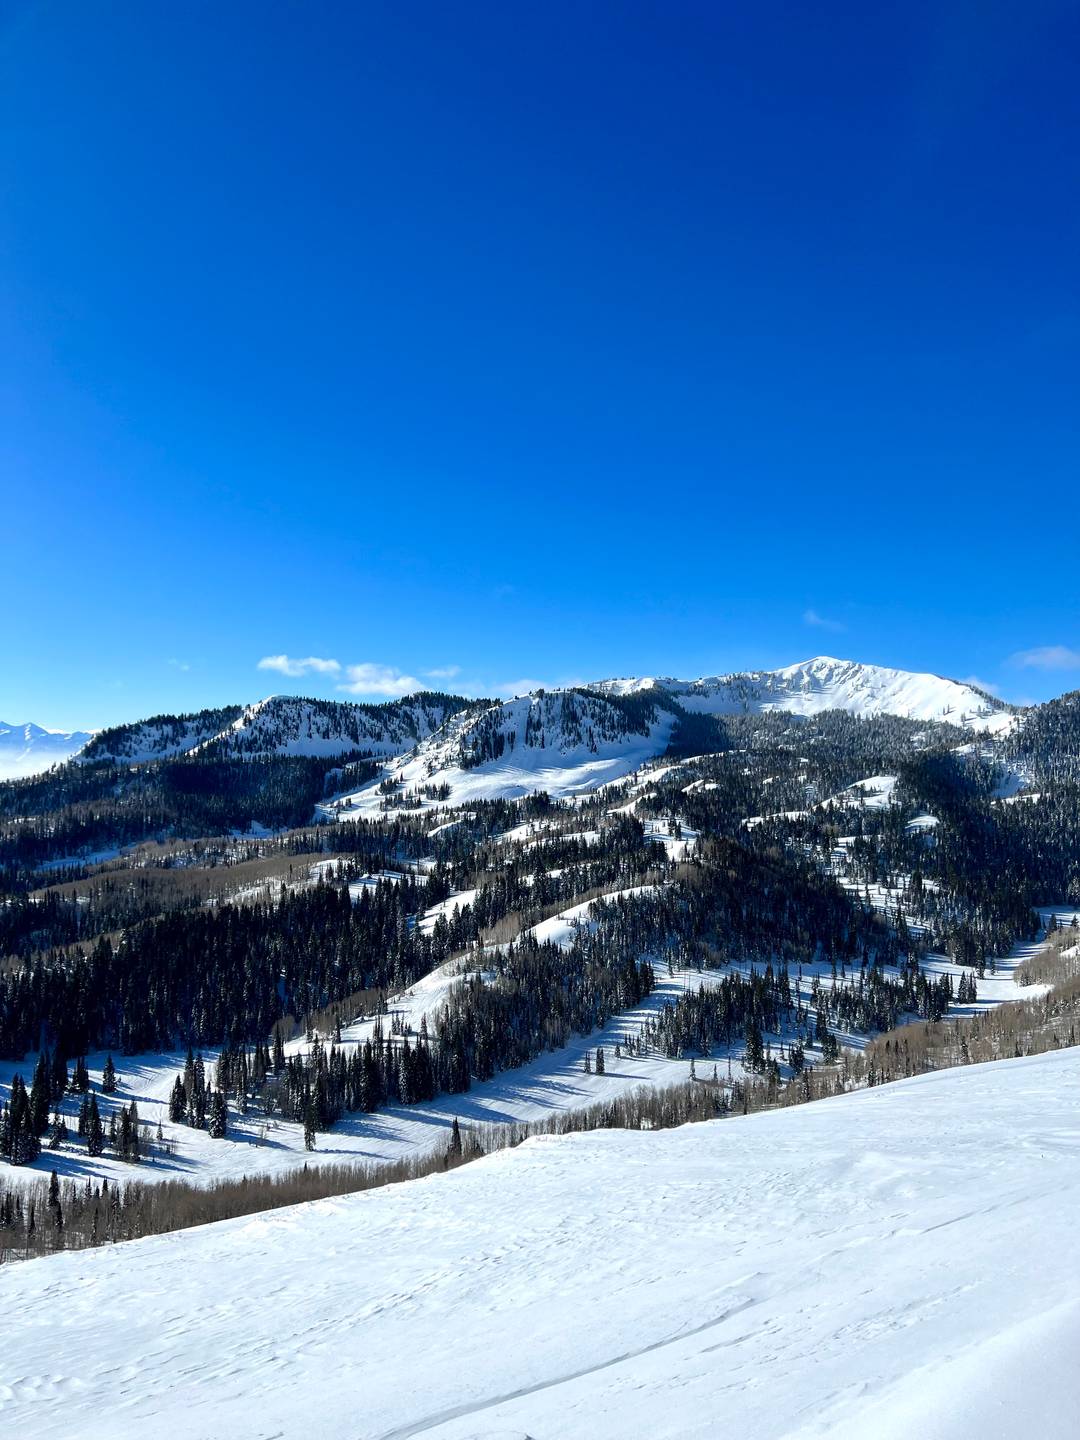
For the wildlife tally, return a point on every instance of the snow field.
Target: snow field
(893, 1262)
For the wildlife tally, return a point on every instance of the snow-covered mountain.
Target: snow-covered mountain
(899, 1261)
(570, 741)
(561, 741)
(287, 725)
(824, 683)
(29, 749)
(280, 725)
(159, 738)
(530, 741)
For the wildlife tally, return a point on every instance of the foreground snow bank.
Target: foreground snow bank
(899, 1261)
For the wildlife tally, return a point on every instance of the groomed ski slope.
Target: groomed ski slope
(901, 1261)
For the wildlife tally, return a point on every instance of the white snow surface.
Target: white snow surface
(824, 683)
(900, 1261)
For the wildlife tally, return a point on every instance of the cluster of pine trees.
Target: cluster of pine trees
(25, 1124)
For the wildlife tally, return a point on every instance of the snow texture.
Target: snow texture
(896, 1262)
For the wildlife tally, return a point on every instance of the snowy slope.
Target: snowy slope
(160, 738)
(29, 749)
(280, 725)
(823, 683)
(561, 741)
(896, 1262)
(289, 725)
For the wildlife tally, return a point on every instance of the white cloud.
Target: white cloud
(310, 665)
(1047, 657)
(528, 686)
(443, 672)
(811, 617)
(372, 679)
(981, 684)
(179, 664)
(512, 688)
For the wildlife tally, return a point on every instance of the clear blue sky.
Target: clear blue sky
(544, 341)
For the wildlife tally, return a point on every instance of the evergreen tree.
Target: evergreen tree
(39, 1095)
(217, 1116)
(108, 1077)
(95, 1135)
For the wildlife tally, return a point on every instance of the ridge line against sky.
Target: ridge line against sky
(326, 678)
(549, 343)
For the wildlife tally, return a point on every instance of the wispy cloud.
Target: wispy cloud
(372, 679)
(525, 686)
(309, 665)
(811, 617)
(1047, 657)
(443, 672)
(981, 684)
(179, 665)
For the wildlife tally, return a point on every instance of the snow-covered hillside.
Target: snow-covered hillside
(563, 741)
(288, 725)
(159, 738)
(29, 749)
(823, 683)
(280, 725)
(900, 1261)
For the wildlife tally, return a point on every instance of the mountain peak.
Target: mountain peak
(825, 682)
(27, 749)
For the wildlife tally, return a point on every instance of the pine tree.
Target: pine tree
(132, 1152)
(39, 1096)
(108, 1077)
(217, 1116)
(95, 1136)
(599, 1060)
(58, 1131)
(54, 1201)
(177, 1102)
(309, 1125)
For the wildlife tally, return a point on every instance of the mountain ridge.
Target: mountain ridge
(304, 726)
(825, 682)
(27, 749)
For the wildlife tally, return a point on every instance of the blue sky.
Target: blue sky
(533, 343)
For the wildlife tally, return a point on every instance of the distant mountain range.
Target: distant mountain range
(28, 749)
(609, 726)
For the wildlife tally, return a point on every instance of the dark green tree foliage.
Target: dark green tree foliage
(95, 1132)
(19, 1140)
(220, 974)
(217, 1116)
